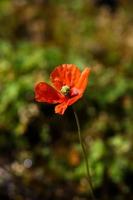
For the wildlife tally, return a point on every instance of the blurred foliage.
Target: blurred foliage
(40, 155)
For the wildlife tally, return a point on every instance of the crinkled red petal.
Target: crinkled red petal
(60, 109)
(46, 93)
(74, 99)
(65, 74)
(83, 80)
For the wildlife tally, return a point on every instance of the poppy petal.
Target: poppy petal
(83, 80)
(74, 99)
(65, 74)
(46, 93)
(60, 109)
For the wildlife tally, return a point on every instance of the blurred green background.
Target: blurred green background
(40, 154)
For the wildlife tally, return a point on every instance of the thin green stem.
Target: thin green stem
(85, 155)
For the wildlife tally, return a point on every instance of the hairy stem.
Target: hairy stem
(85, 155)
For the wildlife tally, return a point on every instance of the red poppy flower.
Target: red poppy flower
(69, 85)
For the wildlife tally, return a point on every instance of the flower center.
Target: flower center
(65, 90)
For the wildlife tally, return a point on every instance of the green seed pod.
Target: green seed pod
(65, 90)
